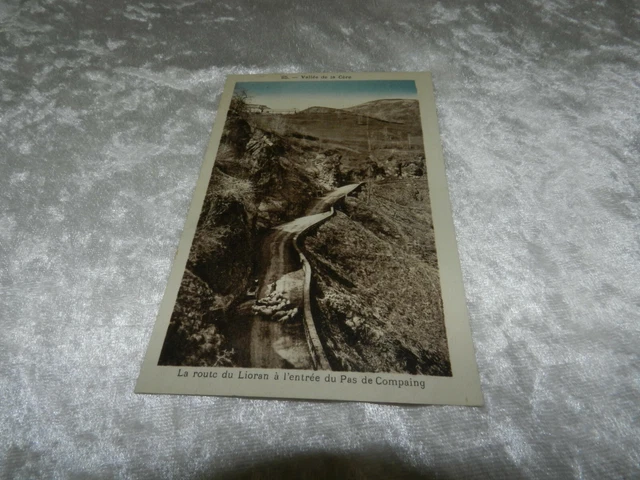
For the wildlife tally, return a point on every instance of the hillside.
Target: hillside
(335, 128)
(368, 321)
(390, 110)
(259, 181)
(222, 244)
(356, 139)
(319, 110)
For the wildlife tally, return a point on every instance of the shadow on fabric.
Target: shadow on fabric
(327, 466)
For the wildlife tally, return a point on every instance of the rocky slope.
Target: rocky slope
(376, 283)
(259, 181)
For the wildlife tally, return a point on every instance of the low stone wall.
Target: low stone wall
(318, 357)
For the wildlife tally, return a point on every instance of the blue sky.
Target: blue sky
(335, 94)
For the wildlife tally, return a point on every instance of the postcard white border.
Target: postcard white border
(463, 388)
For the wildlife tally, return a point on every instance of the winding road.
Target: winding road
(262, 343)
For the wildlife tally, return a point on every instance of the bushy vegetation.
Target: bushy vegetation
(220, 260)
(193, 337)
(219, 264)
(258, 182)
(237, 131)
(377, 285)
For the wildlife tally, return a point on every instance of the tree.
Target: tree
(237, 130)
(239, 104)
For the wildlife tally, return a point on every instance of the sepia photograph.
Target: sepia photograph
(326, 178)
(314, 247)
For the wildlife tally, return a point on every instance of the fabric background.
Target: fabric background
(106, 109)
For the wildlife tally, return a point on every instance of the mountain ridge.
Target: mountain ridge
(390, 110)
(393, 110)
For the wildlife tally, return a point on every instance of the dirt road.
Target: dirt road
(263, 343)
(278, 253)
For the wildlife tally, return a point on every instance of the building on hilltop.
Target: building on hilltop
(255, 108)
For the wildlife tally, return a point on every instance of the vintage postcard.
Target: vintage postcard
(319, 259)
